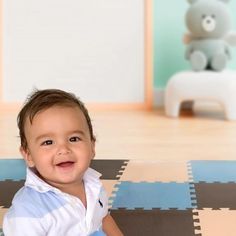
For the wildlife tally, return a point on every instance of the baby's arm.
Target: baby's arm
(22, 226)
(110, 227)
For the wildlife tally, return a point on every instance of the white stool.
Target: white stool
(205, 86)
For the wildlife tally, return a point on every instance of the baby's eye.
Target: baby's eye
(47, 142)
(74, 139)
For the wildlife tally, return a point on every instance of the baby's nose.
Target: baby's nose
(63, 150)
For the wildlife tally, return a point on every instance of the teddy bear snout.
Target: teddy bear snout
(208, 23)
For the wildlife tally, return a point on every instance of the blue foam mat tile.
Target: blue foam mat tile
(13, 169)
(132, 195)
(213, 171)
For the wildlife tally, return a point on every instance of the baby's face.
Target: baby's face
(59, 145)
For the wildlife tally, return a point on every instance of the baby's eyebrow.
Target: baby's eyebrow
(43, 136)
(77, 132)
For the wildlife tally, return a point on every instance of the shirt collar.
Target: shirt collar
(35, 182)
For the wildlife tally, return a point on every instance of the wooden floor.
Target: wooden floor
(160, 154)
(147, 135)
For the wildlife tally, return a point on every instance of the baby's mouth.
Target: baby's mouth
(65, 164)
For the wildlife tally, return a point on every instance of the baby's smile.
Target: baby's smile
(65, 164)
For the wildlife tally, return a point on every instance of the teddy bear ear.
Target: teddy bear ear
(192, 1)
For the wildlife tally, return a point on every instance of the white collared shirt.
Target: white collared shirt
(38, 209)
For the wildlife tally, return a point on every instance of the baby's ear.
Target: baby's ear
(93, 149)
(27, 157)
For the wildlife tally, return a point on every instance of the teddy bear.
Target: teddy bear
(209, 23)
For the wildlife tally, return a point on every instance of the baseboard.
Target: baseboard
(158, 97)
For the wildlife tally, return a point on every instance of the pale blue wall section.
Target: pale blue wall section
(169, 27)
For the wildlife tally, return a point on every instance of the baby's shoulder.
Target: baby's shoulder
(30, 203)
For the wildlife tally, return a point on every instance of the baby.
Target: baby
(62, 195)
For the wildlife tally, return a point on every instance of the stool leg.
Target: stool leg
(230, 111)
(172, 107)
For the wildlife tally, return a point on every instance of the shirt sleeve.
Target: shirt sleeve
(18, 226)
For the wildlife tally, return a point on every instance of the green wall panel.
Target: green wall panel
(169, 27)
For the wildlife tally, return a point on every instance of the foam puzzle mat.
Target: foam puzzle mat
(155, 198)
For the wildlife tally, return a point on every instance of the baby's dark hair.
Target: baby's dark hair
(41, 100)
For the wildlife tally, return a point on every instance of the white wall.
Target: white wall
(92, 48)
